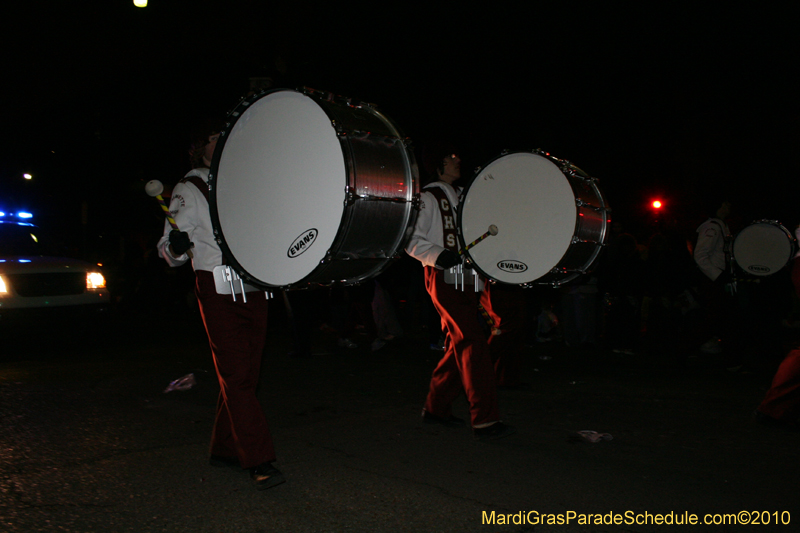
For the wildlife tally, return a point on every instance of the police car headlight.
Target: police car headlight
(3, 287)
(95, 280)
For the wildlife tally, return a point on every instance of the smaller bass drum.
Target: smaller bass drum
(550, 215)
(763, 248)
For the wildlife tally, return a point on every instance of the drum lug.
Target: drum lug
(580, 203)
(327, 259)
(349, 196)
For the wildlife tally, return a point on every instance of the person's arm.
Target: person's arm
(707, 244)
(422, 245)
(183, 208)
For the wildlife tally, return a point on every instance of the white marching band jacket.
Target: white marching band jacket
(712, 250)
(189, 208)
(427, 241)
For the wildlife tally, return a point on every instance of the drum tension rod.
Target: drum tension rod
(581, 203)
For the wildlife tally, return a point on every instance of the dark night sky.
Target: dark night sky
(100, 96)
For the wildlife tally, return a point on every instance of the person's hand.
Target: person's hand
(447, 259)
(179, 242)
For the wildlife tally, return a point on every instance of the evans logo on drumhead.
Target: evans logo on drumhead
(302, 243)
(759, 269)
(512, 266)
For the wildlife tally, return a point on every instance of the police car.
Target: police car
(35, 281)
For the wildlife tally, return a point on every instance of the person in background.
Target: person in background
(781, 405)
(712, 255)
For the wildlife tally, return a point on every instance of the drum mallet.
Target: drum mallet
(492, 231)
(154, 188)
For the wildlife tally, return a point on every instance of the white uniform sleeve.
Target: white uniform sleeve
(423, 245)
(708, 244)
(184, 210)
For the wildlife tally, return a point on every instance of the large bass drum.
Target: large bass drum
(550, 215)
(307, 188)
(763, 248)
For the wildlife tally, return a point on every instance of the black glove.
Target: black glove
(447, 259)
(179, 242)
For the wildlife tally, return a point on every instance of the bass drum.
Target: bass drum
(763, 248)
(307, 188)
(551, 219)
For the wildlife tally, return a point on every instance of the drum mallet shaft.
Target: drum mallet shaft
(492, 231)
(154, 188)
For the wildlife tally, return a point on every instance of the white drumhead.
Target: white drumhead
(762, 248)
(533, 206)
(280, 187)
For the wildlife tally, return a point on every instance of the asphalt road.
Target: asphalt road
(90, 442)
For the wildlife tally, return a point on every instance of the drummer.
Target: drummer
(712, 255)
(467, 363)
(236, 329)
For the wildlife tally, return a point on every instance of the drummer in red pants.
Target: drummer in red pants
(236, 329)
(781, 405)
(466, 365)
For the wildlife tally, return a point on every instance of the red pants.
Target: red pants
(782, 401)
(466, 365)
(236, 333)
(506, 306)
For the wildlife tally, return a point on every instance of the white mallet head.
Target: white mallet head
(492, 230)
(154, 188)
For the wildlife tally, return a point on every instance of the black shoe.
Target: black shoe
(221, 461)
(498, 430)
(448, 421)
(266, 476)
